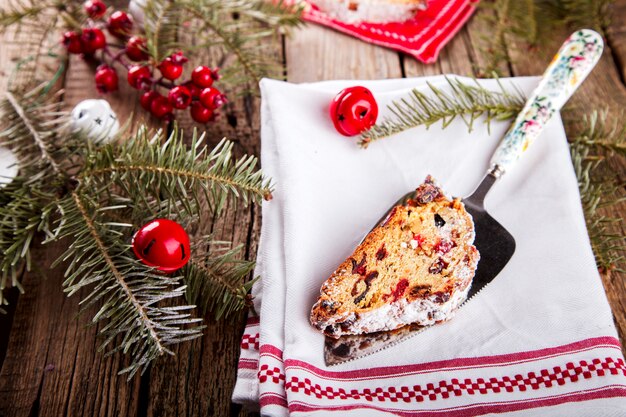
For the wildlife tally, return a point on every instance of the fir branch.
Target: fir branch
(215, 279)
(468, 102)
(32, 127)
(162, 20)
(18, 12)
(129, 291)
(242, 37)
(600, 134)
(172, 173)
(593, 14)
(600, 188)
(20, 220)
(534, 21)
(30, 130)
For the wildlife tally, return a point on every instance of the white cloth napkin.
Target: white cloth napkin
(539, 340)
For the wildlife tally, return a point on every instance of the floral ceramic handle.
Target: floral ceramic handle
(569, 67)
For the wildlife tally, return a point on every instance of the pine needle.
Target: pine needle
(600, 188)
(465, 101)
(95, 196)
(166, 178)
(216, 278)
(533, 22)
(130, 293)
(239, 30)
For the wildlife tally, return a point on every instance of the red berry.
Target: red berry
(92, 39)
(146, 99)
(201, 114)
(212, 98)
(169, 69)
(71, 40)
(179, 97)
(162, 243)
(106, 79)
(353, 110)
(203, 76)
(136, 49)
(160, 107)
(178, 58)
(139, 77)
(193, 89)
(120, 24)
(95, 8)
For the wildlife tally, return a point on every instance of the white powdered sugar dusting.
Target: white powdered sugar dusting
(424, 312)
(354, 11)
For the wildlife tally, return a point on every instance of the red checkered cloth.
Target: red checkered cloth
(422, 37)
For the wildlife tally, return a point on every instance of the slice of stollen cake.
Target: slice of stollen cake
(414, 268)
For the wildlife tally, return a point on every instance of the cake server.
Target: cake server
(569, 67)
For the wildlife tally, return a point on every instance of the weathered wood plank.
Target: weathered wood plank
(26, 363)
(312, 54)
(200, 380)
(617, 35)
(67, 374)
(52, 367)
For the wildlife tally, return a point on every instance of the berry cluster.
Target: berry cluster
(196, 94)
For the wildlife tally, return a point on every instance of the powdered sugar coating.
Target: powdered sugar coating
(423, 312)
(373, 11)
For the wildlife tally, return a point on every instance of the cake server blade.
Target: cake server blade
(570, 66)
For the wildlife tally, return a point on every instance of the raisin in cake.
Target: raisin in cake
(414, 268)
(373, 11)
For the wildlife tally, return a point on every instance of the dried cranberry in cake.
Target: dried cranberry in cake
(399, 290)
(415, 268)
(444, 246)
(381, 253)
(358, 268)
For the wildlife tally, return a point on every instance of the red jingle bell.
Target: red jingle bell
(354, 110)
(162, 243)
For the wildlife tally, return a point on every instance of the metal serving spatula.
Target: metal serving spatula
(570, 66)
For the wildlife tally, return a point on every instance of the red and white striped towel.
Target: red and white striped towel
(539, 340)
(422, 37)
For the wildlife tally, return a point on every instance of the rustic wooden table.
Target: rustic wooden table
(48, 358)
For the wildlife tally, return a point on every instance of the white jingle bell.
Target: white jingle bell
(136, 9)
(95, 119)
(8, 166)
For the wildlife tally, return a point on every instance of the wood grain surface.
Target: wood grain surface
(49, 364)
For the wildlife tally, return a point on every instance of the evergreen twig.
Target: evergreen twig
(468, 102)
(531, 22)
(216, 278)
(164, 177)
(95, 195)
(597, 143)
(237, 29)
(129, 291)
(20, 219)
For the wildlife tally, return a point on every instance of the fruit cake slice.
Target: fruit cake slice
(414, 268)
